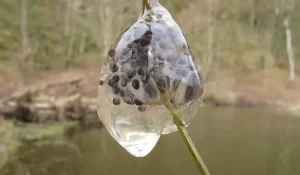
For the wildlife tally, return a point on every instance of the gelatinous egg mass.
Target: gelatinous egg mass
(151, 58)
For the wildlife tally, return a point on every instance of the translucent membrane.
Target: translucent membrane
(149, 59)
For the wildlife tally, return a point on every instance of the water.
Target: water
(231, 142)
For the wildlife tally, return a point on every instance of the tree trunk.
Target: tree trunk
(289, 48)
(24, 34)
(68, 18)
(253, 14)
(210, 37)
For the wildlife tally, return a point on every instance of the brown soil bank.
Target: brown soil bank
(262, 89)
(71, 95)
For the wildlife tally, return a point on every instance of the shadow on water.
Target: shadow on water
(231, 142)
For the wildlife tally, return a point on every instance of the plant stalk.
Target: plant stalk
(177, 120)
(146, 5)
(187, 139)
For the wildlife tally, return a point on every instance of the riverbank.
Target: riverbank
(72, 95)
(59, 102)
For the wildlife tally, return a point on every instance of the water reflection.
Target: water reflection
(231, 141)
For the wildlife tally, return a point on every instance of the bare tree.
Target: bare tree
(283, 8)
(107, 20)
(82, 43)
(289, 47)
(288, 8)
(71, 48)
(210, 36)
(253, 13)
(24, 33)
(104, 19)
(67, 18)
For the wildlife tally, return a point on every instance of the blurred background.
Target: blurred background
(51, 52)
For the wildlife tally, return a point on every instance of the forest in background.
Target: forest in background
(230, 39)
(60, 34)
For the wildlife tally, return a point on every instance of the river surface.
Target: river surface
(231, 142)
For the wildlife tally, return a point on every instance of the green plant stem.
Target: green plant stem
(187, 139)
(177, 120)
(146, 5)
